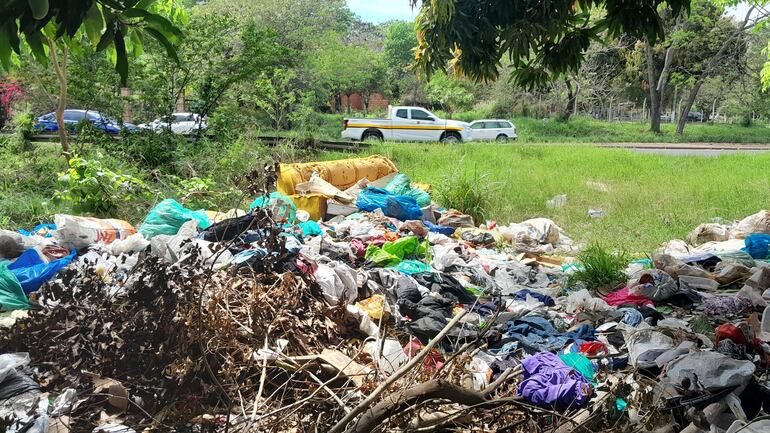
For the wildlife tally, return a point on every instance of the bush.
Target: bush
(469, 194)
(92, 188)
(23, 128)
(150, 149)
(601, 269)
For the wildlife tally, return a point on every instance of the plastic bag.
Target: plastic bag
(168, 216)
(12, 296)
(653, 284)
(280, 206)
(758, 245)
(456, 219)
(710, 232)
(32, 272)
(338, 282)
(129, 245)
(11, 244)
(397, 206)
(410, 267)
(401, 185)
(80, 232)
(757, 223)
(375, 306)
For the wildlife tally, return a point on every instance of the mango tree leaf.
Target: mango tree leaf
(160, 23)
(107, 38)
(37, 47)
(170, 50)
(39, 8)
(121, 63)
(137, 46)
(5, 48)
(94, 23)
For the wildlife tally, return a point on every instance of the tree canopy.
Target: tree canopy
(542, 39)
(113, 24)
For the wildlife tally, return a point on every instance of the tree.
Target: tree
(542, 39)
(276, 95)
(51, 27)
(450, 92)
(373, 77)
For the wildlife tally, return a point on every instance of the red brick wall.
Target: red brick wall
(376, 101)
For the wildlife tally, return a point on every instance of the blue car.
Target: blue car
(72, 118)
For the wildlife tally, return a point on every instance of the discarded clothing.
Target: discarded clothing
(522, 294)
(624, 297)
(549, 382)
(536, 334)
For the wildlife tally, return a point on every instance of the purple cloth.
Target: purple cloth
(549, 382)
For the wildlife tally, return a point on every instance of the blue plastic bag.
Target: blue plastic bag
(435, 228)
(46, 228)
(168, 216)
(32, 272)
(758, 246)
(310, 228)
(281, 207)
(396, 206)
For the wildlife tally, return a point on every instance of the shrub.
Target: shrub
(23, 128)
(150, 149)
(92, 188)
(601, 269)
(467, 193)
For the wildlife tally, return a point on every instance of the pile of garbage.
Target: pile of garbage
(348, 301)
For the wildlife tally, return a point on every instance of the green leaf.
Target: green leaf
(113, 4)
(94, 23)
(137, 46)
(39, 8)
(144, 4)
(121, 64)
(37, 47)
(107, 38)
(163, 41)
(160, 23)
(5, 48)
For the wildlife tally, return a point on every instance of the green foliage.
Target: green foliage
(541, 42)
(23, 128)
(601, 269)
(470, 193)
(149, 149)
(111, 25)
(205, 193)
(92, 188)
(451, 93)
(400, 41)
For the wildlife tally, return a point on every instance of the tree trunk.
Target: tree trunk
(61, 75)
(348, 96)
(571, 100)
(654, 95)
(687, 106)
(365, 98)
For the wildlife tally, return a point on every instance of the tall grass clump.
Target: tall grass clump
(469, 193)
(602, 270)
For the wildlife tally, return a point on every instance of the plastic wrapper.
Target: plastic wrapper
(80, 232)
(397, 206)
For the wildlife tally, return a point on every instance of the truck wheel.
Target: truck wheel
(371, 135)
(502, 138)
(451, 138)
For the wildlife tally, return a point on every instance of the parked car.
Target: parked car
(178, 123)
(72, 118)
(407, 124)
(493, 129)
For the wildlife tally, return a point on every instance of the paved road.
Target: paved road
(694, 149)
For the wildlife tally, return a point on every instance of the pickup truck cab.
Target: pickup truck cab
(406, 124)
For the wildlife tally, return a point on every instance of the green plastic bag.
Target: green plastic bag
(410, 267)
(168, 216)
(281, 207)
(406, 246)
(401, 185)
(12, 296)
(392, 253)
(380, 257)
(580, 363)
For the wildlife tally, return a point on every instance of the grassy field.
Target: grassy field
(588, 130)
(649, 198)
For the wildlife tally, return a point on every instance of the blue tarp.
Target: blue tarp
(32, 271)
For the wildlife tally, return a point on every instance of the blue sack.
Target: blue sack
(32, 272)
(400, 207)
(758, 246)
(435, 228)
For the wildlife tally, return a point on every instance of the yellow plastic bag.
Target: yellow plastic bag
(375, 306)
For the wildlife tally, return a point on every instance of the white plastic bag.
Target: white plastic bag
(338, 282)
(80, 232)
(132, 244)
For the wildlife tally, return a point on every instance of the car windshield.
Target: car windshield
(421, 115)
(76, 116)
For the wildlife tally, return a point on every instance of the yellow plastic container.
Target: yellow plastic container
(314, 204)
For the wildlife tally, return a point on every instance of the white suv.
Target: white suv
(178, 123)
(493, 129)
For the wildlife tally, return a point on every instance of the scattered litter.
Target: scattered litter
(392, 315)
(597, 213)
(557, 202)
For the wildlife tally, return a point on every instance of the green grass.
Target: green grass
(587, 130)
(650, 198)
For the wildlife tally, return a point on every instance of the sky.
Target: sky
(378, 11)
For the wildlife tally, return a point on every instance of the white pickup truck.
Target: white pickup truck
(407, 124)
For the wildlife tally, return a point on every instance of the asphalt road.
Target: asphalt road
(690, 149)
